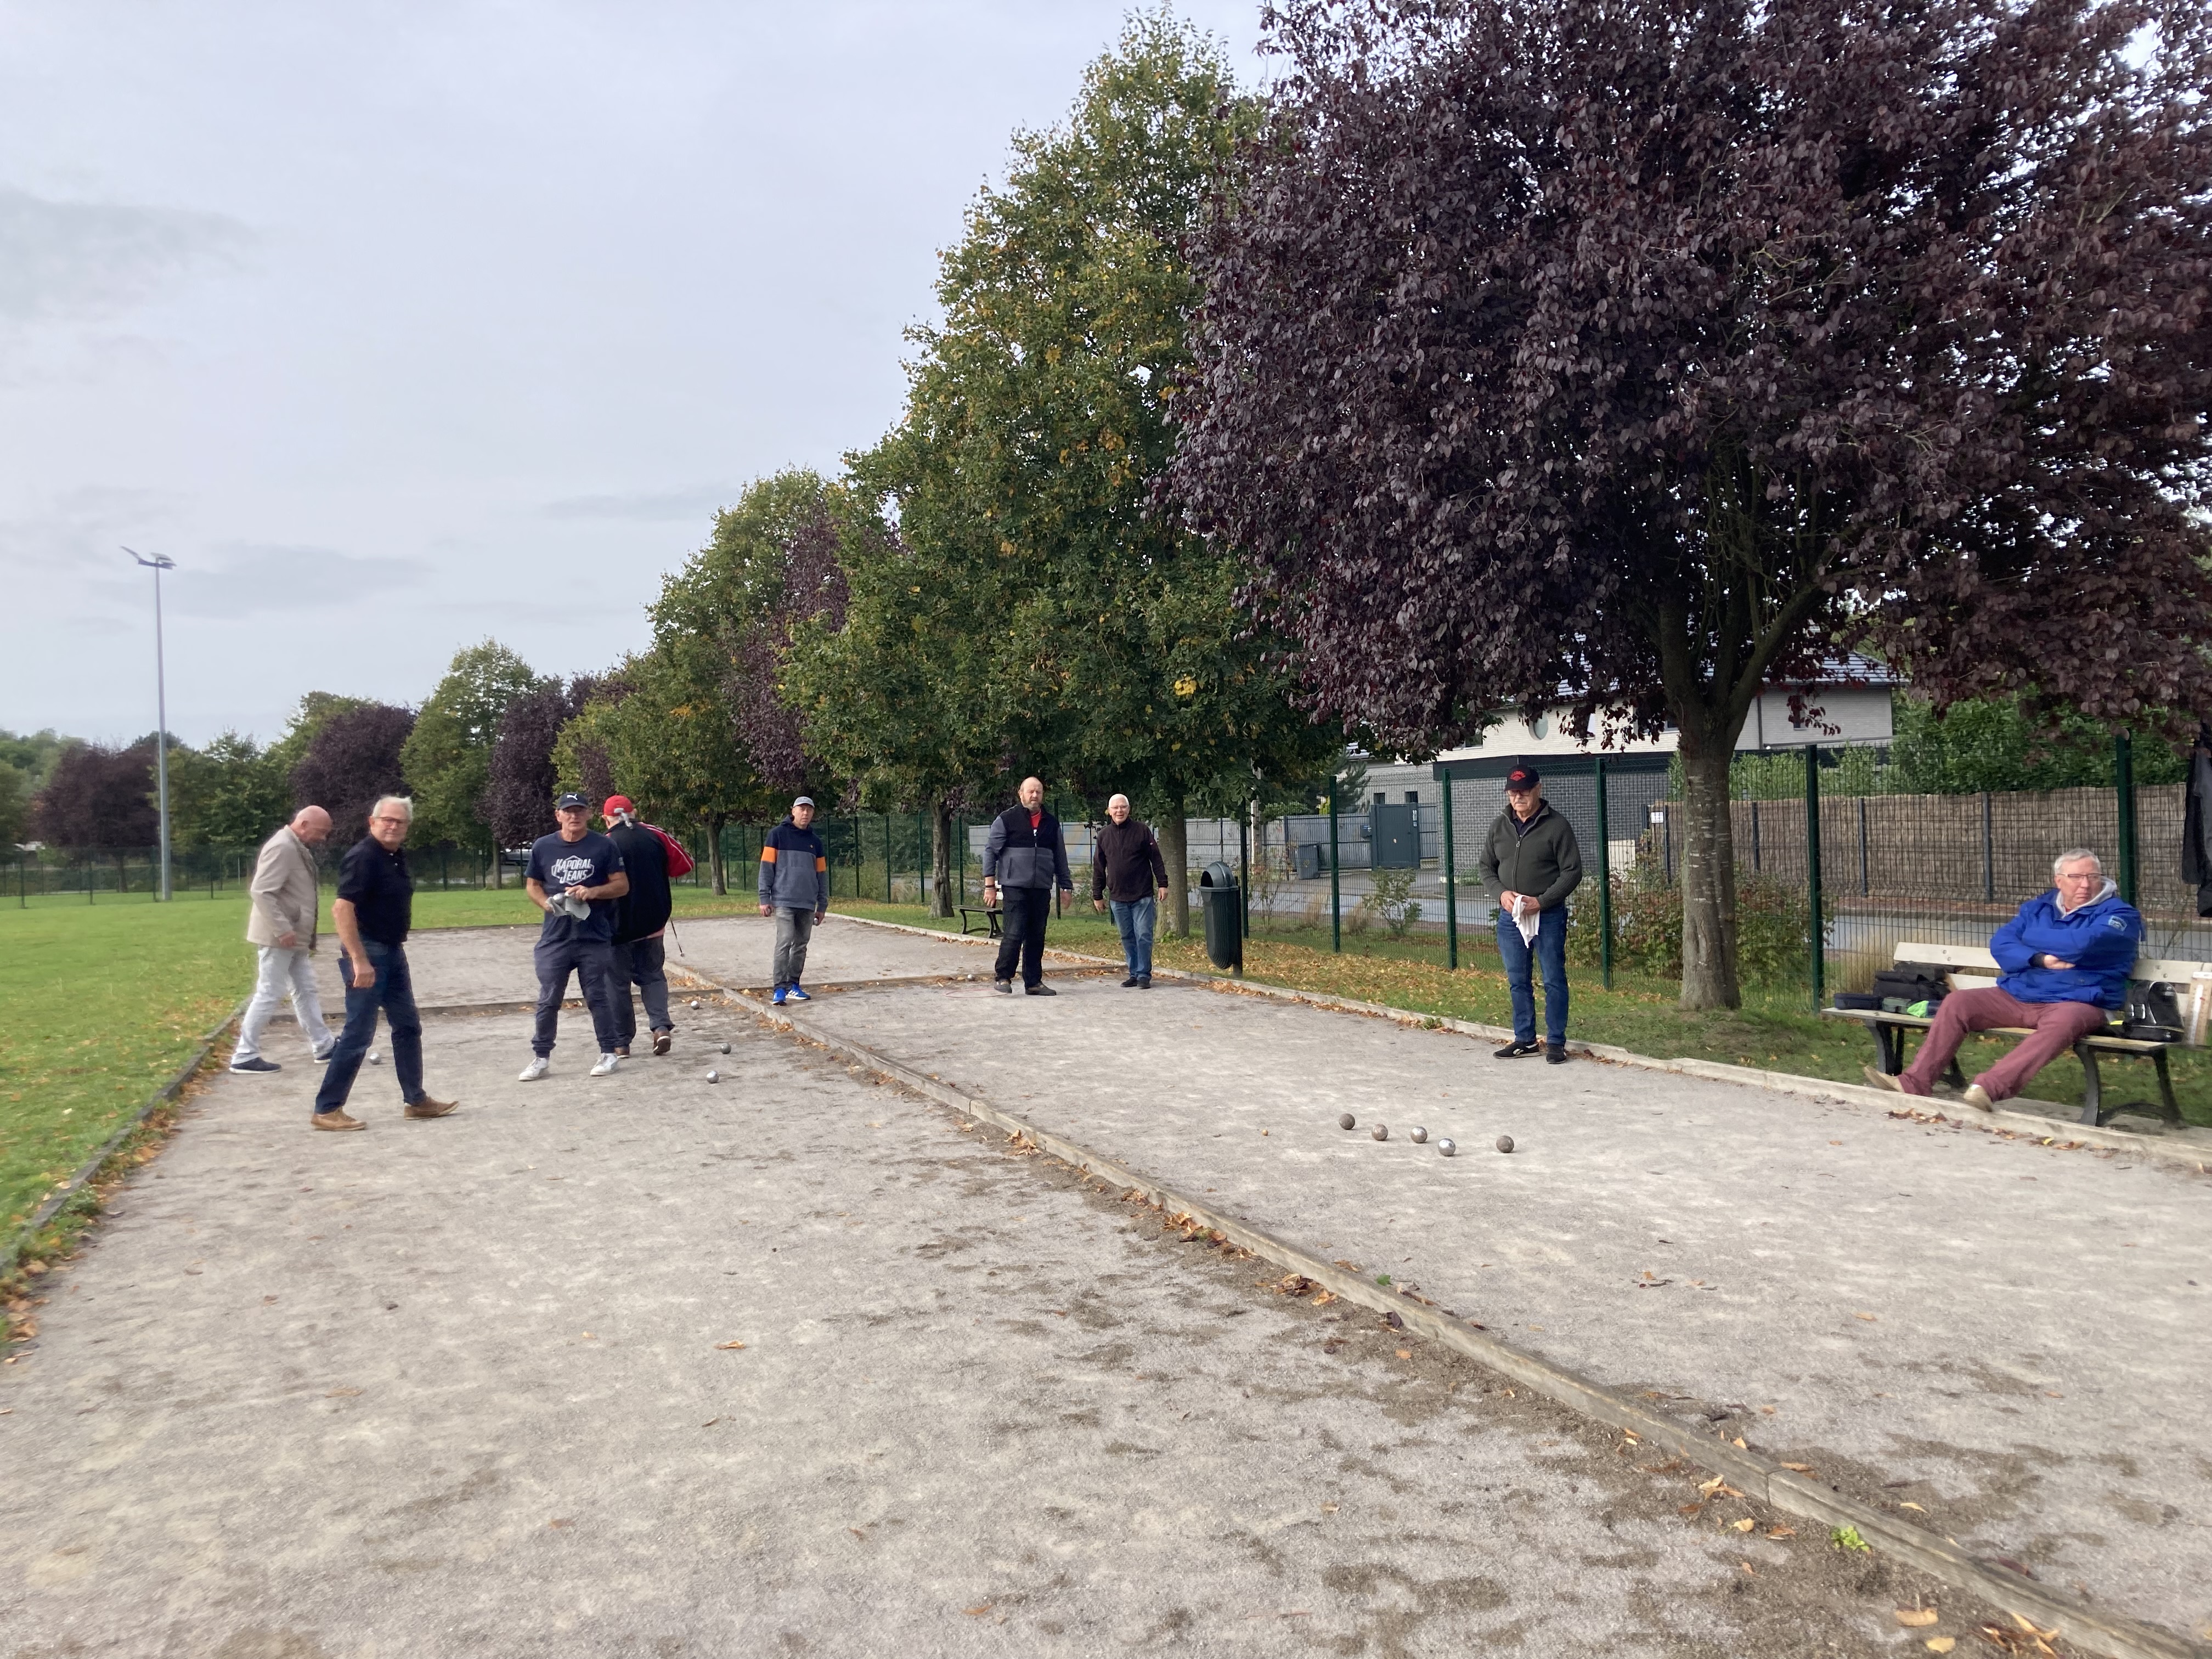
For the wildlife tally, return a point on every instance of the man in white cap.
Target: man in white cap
(794, 889)
(575, 876)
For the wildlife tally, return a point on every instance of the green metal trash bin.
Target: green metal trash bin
(1225, 915)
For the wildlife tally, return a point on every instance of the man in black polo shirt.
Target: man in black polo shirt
(375, 903)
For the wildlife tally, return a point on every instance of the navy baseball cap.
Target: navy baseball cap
(572, 798)
(1522, 777)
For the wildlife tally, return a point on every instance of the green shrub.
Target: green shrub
(1392, 902)
(1647, 927)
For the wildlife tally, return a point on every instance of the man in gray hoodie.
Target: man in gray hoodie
(1530, 863)
(794, 889)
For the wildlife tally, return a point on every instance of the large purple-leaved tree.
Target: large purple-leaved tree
(521, 787)
(1656, 350)
(352, 760)
(99, 797)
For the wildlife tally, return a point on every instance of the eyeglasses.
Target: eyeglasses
(385, 817)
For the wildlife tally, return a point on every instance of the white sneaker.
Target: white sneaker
(538, 1067)
(606, 1066)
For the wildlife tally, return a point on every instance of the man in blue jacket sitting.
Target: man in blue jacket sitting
(2065, 959)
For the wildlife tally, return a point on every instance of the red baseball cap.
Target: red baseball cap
(617, 804)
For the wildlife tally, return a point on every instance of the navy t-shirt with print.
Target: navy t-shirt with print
(558, 864)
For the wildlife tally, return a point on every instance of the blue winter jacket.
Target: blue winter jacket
(2099, 939)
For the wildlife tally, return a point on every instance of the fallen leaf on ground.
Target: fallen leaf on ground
(563, 1522)
(340, 1393)
(1941, 1643)
(729, 1345)
(1328, 1508)
(1911, 1506)
(1748, 1568)
(1746, 1524)
(1916, 1618)
(1802, 1469)
(1405, 1353)
(1690, 1508)
(1782, 1532)
(1324, 1298)
(1870, 1318)
(977, 1612)
(858, 1534)
(1740, 1446)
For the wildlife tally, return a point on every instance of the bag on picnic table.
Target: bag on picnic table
(1908, 983)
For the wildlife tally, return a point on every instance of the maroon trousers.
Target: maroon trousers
(2056, 1028)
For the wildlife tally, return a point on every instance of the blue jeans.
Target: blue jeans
(1549, 954)
(394, 993)
(1135, 919)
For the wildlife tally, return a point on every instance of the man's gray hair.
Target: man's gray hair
(2074, 855)
(405, 801)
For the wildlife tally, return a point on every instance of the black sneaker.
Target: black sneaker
(1005, 987)
(1040, 989)
(255, 1064)
(1513, 1051)
(1555, 1055)
(1144, 981)
(1130, 983)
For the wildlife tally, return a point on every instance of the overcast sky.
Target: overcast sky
(400, 325)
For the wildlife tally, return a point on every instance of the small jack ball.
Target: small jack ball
(1381, 1132)
(1505, 1142)
(1447, 1146)
(694, 1002)
(374, 1057)
(1347, 1121)
(1419, 1136)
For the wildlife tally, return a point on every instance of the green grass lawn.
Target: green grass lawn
(100, 1003)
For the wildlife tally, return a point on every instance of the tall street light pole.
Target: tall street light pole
(157, 564)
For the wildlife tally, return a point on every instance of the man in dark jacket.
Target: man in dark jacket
(2065, 959)
(794, 889)
(1530, 863)
(641, 917)
(1025, 857)
(1126, 868)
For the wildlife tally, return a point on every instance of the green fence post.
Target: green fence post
(1604, 879)
(1335, 895)
(2124, 785)
(1452, 877)
(1243, 868)
(887, 858)
(1812, 868)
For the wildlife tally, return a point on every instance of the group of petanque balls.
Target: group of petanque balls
(1418, 1136)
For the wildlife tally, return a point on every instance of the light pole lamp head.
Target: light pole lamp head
(159, 562)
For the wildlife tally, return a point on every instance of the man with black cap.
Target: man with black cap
(1530, 863)
(794, 889)
(575, 876)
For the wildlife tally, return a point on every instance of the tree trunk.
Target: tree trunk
(1709, 922)
(1174, 849)
(940, 860)
(720, 876)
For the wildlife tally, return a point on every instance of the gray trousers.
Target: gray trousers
(284, 969)
(793, 929)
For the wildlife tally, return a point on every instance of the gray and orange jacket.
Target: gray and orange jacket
(794, 869)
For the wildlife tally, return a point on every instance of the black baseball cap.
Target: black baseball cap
(572, 798)
(1522, 777)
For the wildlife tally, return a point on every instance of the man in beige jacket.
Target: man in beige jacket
(281, 921)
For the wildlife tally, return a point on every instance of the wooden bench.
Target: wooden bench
(990, 925)
(1974, 967)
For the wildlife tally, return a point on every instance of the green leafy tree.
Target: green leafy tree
(1038, 421)
(15, 806)
(447, 757)
(316, 710)
(32, 756)
(230, 794)
(657, 730)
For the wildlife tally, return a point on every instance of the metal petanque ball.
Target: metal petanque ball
(714, 1077)
(694, 1002)
(1347, 1121)
(1447, 1146)
(1381, 1132)
(1419, 1136)
(726, 1047)
(1505, 1142)
(374, 1057)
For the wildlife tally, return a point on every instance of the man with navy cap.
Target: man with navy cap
(1530, 863)
(794, 889)
(575, 876)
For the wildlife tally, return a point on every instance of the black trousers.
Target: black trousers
(1027, 910)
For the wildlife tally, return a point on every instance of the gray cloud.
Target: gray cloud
(75, 258)
(260, 581)
(647, 505)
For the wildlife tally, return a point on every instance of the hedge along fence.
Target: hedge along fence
(1773, 943)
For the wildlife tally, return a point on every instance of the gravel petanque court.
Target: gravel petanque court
(2010, 1338)
(462, 1387)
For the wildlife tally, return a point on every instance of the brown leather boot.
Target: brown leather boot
(427, 1107)
(337, 1119)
